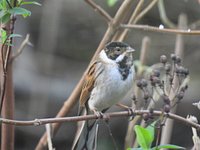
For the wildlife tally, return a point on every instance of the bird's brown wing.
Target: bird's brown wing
(88, 84)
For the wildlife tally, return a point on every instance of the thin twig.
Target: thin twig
(21, 48)
(99, 9)
(163, 15)
(149, 7)
(48, 130)
(131, 20)
(38, 122)
(164, 30)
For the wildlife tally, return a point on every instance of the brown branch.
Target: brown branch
(7, 93)
(21, 48)
(38, 122)
(99, 9)
(163, 15)
(149, 7)
(157, 29)
(48, 130)
(131, 20)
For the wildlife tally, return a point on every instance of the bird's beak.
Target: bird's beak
(130, 50)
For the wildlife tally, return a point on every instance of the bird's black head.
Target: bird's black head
(114, 49)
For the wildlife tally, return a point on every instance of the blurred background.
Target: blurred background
(65, 35)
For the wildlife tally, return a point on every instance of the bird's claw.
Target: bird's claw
(101, 115)
(131, 113)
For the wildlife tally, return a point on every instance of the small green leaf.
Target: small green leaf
(144, 137)
(30, 3)
(1, 6)
(4, 4)
(111, 2)
(3, 36)
(15, 35)
(151, 129)
(5, 18)
(2, 13)
(20, 11)
(168, 146)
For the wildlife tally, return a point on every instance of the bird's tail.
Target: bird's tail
(86, 136)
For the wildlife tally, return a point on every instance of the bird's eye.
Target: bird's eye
(118, 49)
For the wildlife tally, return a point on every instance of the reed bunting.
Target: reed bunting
(107, 81)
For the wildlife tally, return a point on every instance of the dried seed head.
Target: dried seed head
(173, 57)
(146, 95)
(179, 70)
(139, 83)
(151, 110)
(186, 72)
(167, 68)
(134, 97)
(167, 108)
(145, 116)
(180, 95)
(163, 59)
(166, 99)
(186, 87)
(178, 60)
(156, 73)
(144, 82)
(156, 80)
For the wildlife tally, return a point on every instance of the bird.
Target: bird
(109, 78)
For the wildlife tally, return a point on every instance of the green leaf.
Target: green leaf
(111, 2)
(144, 137)
(5, 18)
(2, 13)
(31, 3)
(151, 129)
(1, 6)
(3, 36)
(4, 4)
(20, 11)
(168, 146)
(15, 35)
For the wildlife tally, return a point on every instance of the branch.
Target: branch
(139, 16)
(20, 49)
(38, 122)
(131, 20)
(163, 16)
(99, 9)
(48, 130)
(157, 29)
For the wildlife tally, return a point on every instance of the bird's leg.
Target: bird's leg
(101, 115)
(129, 109)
